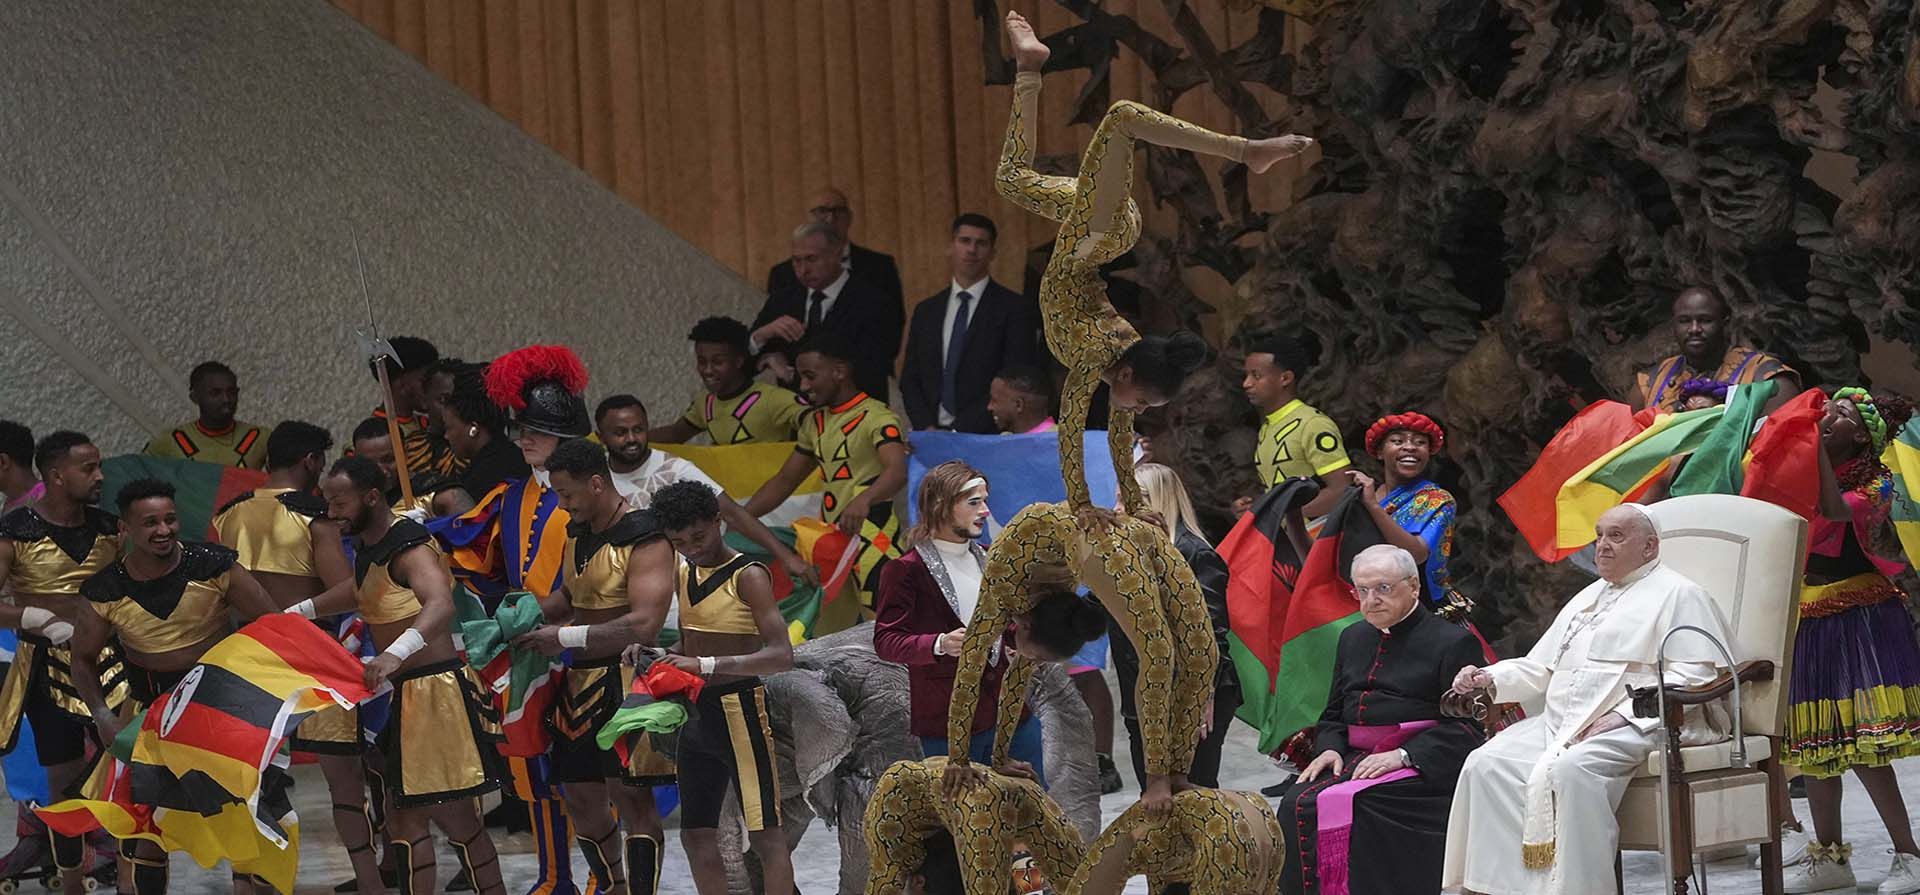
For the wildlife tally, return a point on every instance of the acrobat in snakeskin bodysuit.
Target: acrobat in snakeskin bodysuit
(1098, 222)
(985, 822)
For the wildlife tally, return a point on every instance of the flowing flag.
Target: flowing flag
(26, 779)
(1624, 473)
(740, 470)
(1286, 611)
(1595, 430)
(199, 488)
(1903, 460)
(1719, 464)
(203, 769)
(834, 552)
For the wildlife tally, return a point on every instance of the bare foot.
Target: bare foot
(1029, 54)
(1262, 154)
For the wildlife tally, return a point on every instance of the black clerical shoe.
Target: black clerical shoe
(1280, 789)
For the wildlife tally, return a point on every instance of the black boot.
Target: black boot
(1109, 775)
(643, 865)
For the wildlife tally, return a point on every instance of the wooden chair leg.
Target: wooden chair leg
(1619, 875)
(1680, 812)
(1772, 875)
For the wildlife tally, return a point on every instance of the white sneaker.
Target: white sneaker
(1903, 878)
(1793, 847)
(1827, 867)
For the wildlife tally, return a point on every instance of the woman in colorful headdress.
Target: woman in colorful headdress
(1411, 511)
(1855, 690)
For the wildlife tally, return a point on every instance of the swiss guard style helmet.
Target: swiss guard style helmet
(541, 386)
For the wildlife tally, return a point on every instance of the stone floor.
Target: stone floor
(817, 865)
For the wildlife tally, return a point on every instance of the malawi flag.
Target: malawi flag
(1285, 612)
(200, 488)
(1598, 428)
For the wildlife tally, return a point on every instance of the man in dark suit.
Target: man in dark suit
(825, 295)
(876, 268)
(964, 334)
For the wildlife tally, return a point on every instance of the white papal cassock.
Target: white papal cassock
(1533, 811)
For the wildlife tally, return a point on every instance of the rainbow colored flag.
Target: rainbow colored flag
(1285, 611)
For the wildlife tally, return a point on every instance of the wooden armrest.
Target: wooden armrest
(1646, 700)
(1474, 706)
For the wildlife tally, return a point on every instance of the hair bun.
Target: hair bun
(1089, 619)
(1186, 351)
(1895, 410)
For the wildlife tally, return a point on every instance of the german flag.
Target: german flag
(212, 749)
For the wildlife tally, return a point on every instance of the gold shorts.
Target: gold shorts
(330, 731)
(39, 686)
(442, 736)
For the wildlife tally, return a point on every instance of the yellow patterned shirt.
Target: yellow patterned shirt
(761, 413)
(845, 441)
(242, 444)
(1298, 441)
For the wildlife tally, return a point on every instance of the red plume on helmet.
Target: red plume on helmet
(510, 374)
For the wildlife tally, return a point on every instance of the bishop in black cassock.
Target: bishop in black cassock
(1374, 822)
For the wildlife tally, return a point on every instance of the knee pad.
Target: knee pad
(597, 865)
(463, 850)
(403, 858)
(643, 865)
(69, 852)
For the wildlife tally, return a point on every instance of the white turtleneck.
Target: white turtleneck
(964, 571)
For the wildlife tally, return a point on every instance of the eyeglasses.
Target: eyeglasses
(1365, 590)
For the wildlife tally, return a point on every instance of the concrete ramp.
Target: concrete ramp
(179, 182)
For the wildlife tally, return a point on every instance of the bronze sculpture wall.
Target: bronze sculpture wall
(1510, 194)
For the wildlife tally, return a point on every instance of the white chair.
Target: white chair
(1748, 555)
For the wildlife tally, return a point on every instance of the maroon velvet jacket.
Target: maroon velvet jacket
(910, 614)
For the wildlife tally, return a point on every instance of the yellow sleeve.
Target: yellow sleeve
(1013, 698)
(1138, 600)
(1194, 646)
(695, 415)
(807, 437)
(894, 845)
(788, 412)
(1324, 449)
(1053, 840)
(1071, 427)
(1120, 442)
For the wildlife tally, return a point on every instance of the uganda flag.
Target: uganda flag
(199, 488)
(213, 745)
(1285, 612)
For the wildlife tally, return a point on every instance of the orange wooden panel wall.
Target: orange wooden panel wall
(721, 118)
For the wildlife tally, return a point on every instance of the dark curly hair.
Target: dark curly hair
(580, 458)
(1063, 621)
(470, 402)
(362, 472)
(683, 505)
(723, 331)
(142, 489)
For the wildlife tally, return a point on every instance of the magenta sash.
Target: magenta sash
(1334, 805)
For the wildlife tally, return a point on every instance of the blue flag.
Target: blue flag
(1020, 469)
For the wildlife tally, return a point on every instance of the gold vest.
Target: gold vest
(595, 564)
(710, 599)
(269, 528)
(382, 599)
(185, 607)
(54, 560)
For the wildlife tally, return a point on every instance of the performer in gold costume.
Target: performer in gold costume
(284, 538)
(440, 740)
(1217, 842)
(46, 551)
(618, 569)
(1098, 223)
(166, 603)
(908, 810)
(1147, 587)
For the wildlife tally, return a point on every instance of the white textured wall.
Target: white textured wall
(192, 168)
